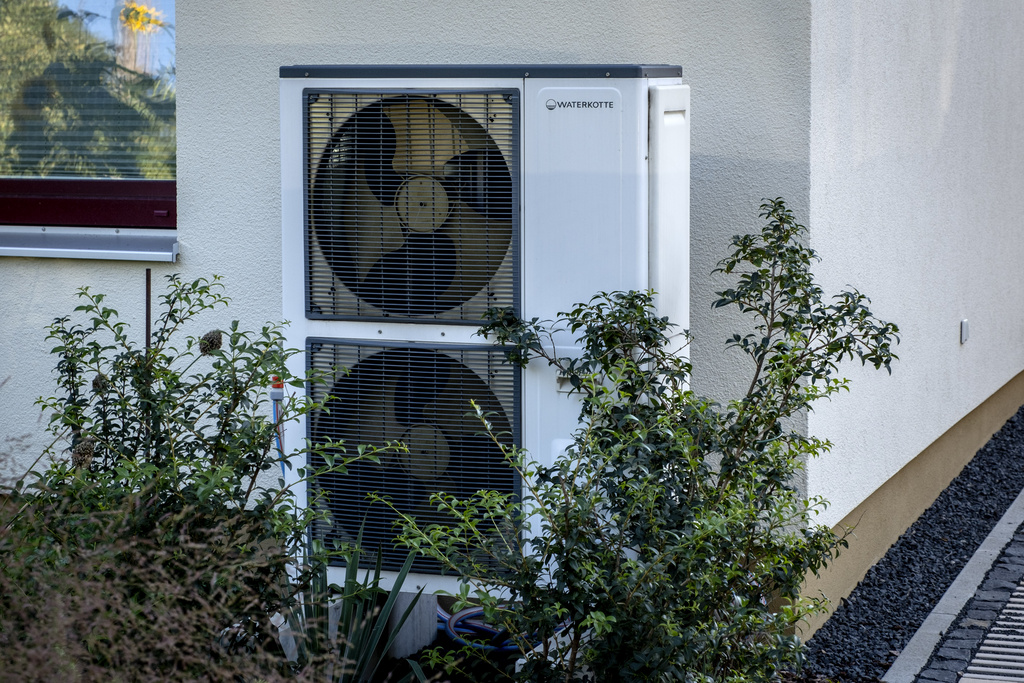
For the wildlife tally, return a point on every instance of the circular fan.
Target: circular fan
(411, 205)
(420, 397)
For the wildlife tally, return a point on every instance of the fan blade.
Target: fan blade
(353, 241)
(411, 279)
(474, 456)
(374, 143)
(418, 379)
(481, 179)
(357, 411)
(480, 247)
(425, 137)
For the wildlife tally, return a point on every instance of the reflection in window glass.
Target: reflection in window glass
(87, 89)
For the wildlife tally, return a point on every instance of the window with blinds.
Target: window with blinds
(87, 113)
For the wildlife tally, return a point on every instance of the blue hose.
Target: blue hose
(469, 622)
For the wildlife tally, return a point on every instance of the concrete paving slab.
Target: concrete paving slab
(917, 652)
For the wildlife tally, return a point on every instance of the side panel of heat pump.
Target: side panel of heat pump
(584, 220)
(584, 210)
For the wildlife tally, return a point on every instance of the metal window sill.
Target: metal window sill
(114, 244)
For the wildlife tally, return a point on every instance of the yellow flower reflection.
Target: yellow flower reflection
(140, 18)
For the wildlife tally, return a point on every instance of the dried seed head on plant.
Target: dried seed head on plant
(82, 452)
(100, 383)
(210, 342)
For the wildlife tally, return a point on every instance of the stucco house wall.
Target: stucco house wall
(916, 198)
(891, 129)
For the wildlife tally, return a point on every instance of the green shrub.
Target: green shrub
(157, 545)
(668, 543)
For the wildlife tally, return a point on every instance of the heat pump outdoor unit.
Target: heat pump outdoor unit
(414, 198)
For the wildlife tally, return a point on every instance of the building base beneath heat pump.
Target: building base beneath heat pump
(419, 630)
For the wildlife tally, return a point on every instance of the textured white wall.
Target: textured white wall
(747, 61)
(917, 166)
(32, 293)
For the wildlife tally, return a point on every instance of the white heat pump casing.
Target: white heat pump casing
(604, 206)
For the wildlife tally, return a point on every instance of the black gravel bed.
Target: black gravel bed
(870, 628)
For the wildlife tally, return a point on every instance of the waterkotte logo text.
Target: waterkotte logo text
(579, 104)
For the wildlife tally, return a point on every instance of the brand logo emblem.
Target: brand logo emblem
(579, 104)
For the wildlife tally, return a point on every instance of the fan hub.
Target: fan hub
(422, 204)
(428, 454)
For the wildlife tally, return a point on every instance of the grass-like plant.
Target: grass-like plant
(343, 630)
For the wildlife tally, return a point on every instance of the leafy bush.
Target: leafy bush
(160, 549)
(668, 542)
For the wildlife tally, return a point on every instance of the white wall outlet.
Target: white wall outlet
(965, 331)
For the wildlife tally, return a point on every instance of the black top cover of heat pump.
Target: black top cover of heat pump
(482, 71)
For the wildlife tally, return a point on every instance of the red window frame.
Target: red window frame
(88, 202)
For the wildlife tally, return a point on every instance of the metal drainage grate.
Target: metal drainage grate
(1001, 655)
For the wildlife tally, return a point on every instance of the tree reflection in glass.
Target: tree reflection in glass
(80, 100)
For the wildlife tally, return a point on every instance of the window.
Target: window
(87, 120)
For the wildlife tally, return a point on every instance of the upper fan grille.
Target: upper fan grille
(421, 397)
(412, 204)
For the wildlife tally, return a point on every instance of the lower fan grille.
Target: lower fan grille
(420, 396)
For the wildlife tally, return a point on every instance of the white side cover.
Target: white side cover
(584, 190)
(292, 255)
(669, 165)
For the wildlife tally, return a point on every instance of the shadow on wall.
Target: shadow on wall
(724, 195)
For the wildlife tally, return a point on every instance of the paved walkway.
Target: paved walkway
(972, 615)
